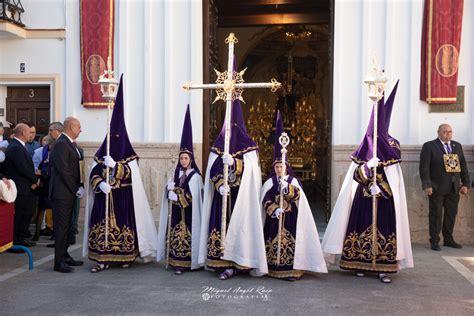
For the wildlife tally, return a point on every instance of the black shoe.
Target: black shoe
(74, 263)
(63, 268)
(452, 244)
(435, 247)
(35, 238)
(72, 240)
(51, 245)
(46, 232)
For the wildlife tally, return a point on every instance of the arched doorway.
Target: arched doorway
(297, 52)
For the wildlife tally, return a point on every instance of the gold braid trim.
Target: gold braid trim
(179, 263)
(123, 161)
(239, 166)
(119, 171)
(362, 175)
(285, 274)
(351, 265)
(182, 201)
(7, 246)
(95, 181)
(293, 193)
(218, 184)
(270, 207)
(243, 151)
(113, 258)
(224, 264)
(382, 163)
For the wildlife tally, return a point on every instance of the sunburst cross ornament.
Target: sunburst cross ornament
(229, 86)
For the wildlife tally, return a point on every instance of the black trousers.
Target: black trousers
(62, 214)
(24, 208)
(439, 221)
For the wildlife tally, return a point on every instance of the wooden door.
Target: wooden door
(29, 104)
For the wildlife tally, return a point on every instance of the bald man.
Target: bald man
(65, 185)
(444, 177)
(19, 168)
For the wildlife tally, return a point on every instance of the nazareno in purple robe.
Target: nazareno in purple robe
(271, 202)
(122, 230)
(357, 247)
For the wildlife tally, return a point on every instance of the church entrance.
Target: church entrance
(290, 41)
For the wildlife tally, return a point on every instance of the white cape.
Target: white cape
(244, 243)
(195, 185)
(335, 232)
(146, 230)
(308, 252)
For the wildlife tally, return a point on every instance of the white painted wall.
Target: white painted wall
(392, 30)
(158, 47)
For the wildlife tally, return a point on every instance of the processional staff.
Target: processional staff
(284, 141)
(108, 87)
(229, 87)
(375, 81)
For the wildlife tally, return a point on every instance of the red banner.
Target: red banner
(97, 44)
(7, 211)
(441, 38)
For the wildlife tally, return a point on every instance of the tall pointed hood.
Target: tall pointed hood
(394, 143)
(240, 141)
(385, 152)
(279, 129)
(120, 146)
(186, 145)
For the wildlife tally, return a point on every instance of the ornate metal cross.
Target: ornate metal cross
(229, 87)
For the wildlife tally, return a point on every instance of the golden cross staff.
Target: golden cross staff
(284, 142)
(375, 81)
(229, 87)
(170, 208)
(108, 87)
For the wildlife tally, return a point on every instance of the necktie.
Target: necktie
(77, 149)
(448, 148)
(182, 179)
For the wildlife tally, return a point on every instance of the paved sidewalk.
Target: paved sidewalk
(442, 283)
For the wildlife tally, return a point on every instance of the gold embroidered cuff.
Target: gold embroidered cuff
(293, 194)
(239, 166)
(183, 203)
(95, 181)
(363, 177)
(270, 208)
(218, 184)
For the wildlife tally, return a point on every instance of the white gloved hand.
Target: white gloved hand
(4, 144)
(374, 190)
(104, 187)
(283, 184)
(109, 162)
(372, 163)
(227, 159)
(2, 156)
(80, 192)
(170, 185)
(277, 213)
(223, 190)
(172, 196)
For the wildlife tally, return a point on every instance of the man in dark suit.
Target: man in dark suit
(64, 187)
(444, 176)
(19, 168)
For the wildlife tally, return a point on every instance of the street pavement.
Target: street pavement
(442, 283)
